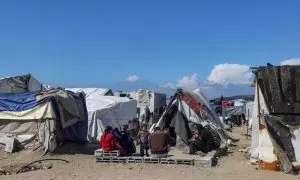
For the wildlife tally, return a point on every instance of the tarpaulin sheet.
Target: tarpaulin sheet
(78, 131)
(17, 84)
(280, 86)
(282, 135)
(17, 101)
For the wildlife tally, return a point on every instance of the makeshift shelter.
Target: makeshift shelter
(276, 118)
(186, 109)
(93, 91)
(43, 118)
(108, 111)
(17, 84)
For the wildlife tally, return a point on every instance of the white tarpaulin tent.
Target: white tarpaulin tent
(108, 111)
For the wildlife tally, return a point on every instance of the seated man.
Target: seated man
(158, 143)
(202, 141)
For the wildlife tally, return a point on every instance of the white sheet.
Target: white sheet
(90, 92)
(108, 111)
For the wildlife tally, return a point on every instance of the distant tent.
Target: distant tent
(186, 109)
(90, 92)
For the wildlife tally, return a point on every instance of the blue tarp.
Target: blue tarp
(17, 101)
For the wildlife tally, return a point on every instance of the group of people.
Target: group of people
(113, 139)
(158, 142)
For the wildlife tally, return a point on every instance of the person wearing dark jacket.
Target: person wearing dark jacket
(202, 141)
(158, 143)
(125, 141)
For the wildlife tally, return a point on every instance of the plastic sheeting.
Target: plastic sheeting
(108, 111)
(17, 101)
(78, 131)
(92, 92)
(17, 84)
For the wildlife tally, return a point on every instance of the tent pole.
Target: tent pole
(247, 124)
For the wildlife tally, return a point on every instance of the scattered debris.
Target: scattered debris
(34, 168)
(244, 150)
(29, 166)
(2, 172)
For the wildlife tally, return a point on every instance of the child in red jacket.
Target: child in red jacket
(108, 142)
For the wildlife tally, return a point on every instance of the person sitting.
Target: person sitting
(124, 140)
(143, 137)
(202, 141)
(107, 140)
(158, 143)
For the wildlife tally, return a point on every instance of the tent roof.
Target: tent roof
(91, 92)
(95, 103)
(22, 83)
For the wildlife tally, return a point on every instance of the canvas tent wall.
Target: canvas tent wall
(108, 111)
(35, 119)
(17, 84)
(275, 119)
(93, 91)
(187, 108)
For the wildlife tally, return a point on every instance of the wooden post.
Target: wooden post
(248, 123)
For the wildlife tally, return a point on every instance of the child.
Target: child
(143, 136)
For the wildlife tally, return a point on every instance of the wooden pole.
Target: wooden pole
(248, 123)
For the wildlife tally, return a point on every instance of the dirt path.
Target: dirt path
(235, 166)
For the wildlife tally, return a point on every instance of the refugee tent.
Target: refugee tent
(93, 91)
(108, 111)
(43, 118)
(240, 108)
(276, 118)
(186, 109)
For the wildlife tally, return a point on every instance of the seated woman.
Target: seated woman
(124, 140)
(107, 141)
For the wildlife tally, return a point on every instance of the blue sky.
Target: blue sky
(83, 43)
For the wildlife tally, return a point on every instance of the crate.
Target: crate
(119, 159)
(185, 161)
(133, 159)
(167, 161)
(103, 159)
(101, 153)
(151, 160)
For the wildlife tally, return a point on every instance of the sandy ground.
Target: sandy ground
(83, 166)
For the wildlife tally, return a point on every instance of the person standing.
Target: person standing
(143, 136)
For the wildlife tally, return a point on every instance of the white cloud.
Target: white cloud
(132, 78)
(188, 81)
(230, 74)
(290, 62)
(168, 85)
